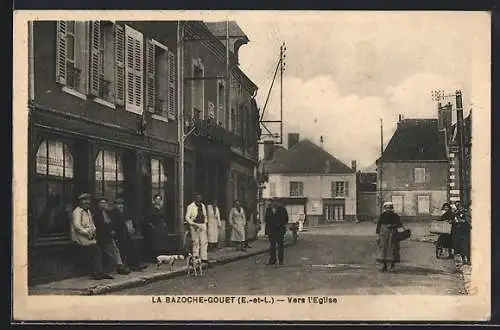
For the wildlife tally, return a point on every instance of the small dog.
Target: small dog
(194, 266)
(164, 259)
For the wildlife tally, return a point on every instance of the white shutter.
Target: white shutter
(172, 91)
(133, 70)
(119, 64)
(95, 63)
(150, 76)
(61, 52)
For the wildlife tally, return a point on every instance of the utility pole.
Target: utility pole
(381, 168)
(282, 69)
(461, 148)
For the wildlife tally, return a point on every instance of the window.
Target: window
(397, 201)
(423, 204)
(53, 188)
(157, 78)
(340, 189)
(102, 60)
(221, 103)
(72, 55)
(172, 82)
(198, 96)
(296, 189)
(419, 174)
(134, 48)
(272, 189)
(233, 121)
(158, 178)
(109, 178)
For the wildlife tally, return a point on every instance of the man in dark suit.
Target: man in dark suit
(275, 220)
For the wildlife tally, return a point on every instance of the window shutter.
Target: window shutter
(150, 73)
(172, 91)
(133, 70)
(82, 53)
(95, 63)
(119, 65)
(346, 188)
(61, 52)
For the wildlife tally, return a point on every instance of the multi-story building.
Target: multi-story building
(413, 169)
(103, 119)
(309, 181)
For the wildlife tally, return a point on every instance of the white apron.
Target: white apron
(238, 222)
(214, 223)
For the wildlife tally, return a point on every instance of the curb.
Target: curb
(104, 289)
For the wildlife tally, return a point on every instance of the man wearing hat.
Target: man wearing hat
(124, 228)
(83, 233)
(196, 218)
(276, 219)
(105, 235)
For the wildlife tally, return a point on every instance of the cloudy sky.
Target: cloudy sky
(345, 71)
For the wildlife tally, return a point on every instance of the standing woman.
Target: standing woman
(238, 221)
(387, 229)
(214, 223)
(156, 228)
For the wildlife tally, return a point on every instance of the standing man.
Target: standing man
(106, 236)
(83, 233)
(276, 219)
(196, 217)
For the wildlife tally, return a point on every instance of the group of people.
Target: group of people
(458, 240)
(102, 233)
(389, 226)
(204, 221)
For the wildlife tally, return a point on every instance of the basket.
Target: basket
(440, 227)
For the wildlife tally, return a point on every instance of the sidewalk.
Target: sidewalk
(89, 286)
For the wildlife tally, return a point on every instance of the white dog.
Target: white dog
(164, 259)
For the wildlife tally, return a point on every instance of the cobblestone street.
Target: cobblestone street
(323, 262)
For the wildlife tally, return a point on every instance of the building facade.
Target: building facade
(367, 208)
(413, 169)
(309, 182)
(103, 120)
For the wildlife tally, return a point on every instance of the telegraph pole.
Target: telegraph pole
(381, 195)
(461, 146)
(282, 69)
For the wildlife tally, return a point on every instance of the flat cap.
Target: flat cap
(85, 196)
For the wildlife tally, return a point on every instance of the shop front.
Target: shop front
(85, 157)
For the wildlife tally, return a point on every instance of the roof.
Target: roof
(416, 140)
(218, 29)
(305, 158)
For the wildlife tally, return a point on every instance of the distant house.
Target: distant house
(309, 181)
(413, 169)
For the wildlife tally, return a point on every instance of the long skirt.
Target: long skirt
(213, 230)
(238, 231)
(389, 245)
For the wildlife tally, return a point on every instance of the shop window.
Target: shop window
(53, 188)
(158, 178)
(109, 177)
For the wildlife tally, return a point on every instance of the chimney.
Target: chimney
(293, 139)
(400, 117)
(268, 150)
(321, 141)
(353, 165)
(444, 116)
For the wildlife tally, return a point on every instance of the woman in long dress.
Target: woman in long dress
(156, 228)
(388, 243)
(214, 223)
(237, 220)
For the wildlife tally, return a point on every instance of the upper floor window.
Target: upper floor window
(419, 175)
(53, 188)
(340, 189)
(221, 103)
(157, 79)
(296, 189)
(72, 55)
(198, 96)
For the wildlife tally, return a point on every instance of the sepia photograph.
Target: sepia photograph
(272, 165)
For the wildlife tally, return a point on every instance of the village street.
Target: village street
(330, 261)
